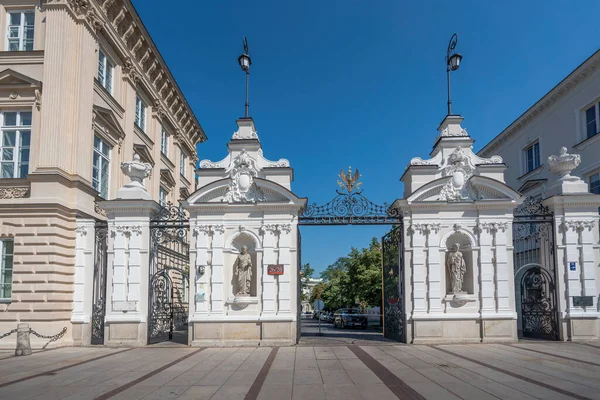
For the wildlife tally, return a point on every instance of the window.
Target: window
(20, 30)
(6, 268)
(162, 196)
(164, 142)
(14, 144)
(595, 183)
(140, 113)
(532, 157)
(100, 170)
(105, 72)
(591, 120)
(182, 161)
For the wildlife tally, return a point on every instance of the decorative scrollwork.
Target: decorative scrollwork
(349, 208)
(538, 310)
(169, 271)
(99, 282)
(170, 213)
(532, 207)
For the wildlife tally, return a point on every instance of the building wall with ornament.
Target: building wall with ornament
(82, 88)
(567, 116)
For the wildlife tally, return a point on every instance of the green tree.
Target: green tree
(306, 273)
(354, 279)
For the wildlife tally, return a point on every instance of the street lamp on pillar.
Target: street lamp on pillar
(452, 63)
(245, 62)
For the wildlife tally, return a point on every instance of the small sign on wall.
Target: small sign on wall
(583, 301)
(572, 266)
(275, 269)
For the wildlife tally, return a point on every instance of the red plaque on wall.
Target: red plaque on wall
(275, 269)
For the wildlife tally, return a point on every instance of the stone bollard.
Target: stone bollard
(23, 344)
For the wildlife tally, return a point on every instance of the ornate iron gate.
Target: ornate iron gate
(99, 283)
(169, 275)
(535, 272)
(393, 285)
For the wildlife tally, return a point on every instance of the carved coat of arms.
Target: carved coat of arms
(242, 187)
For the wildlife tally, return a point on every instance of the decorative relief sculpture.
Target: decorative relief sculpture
(563, 164)
(578, 226)
(13, 192)
(459, 168)
(455, 263)
(243, 272)
(81, 230)
(492, 227)
(242, 188)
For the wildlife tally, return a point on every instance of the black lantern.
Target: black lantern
(452, 63)
(245, 62)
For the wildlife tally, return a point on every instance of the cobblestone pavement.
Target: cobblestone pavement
(526, 370)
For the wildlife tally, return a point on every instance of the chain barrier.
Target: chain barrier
(8, 333)
(53, 338)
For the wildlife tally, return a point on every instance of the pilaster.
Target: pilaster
(217, 283)
(202, 271)
(269, 257)
(419, 269)
(488, 267)
(285, 288)
(83, 280)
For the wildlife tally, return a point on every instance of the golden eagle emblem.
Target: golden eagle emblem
(349, 181)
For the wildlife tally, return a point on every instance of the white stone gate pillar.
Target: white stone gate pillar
(83, 281)
(577, 237)
(217, 288)
(128, 259)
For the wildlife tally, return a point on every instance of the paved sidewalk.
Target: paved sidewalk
(527, 370)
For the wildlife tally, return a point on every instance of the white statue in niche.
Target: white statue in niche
(243, 272)
(457, 267)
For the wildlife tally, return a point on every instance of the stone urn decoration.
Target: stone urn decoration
(137, 171)
(563, 164)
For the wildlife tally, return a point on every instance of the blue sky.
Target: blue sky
(363, 83)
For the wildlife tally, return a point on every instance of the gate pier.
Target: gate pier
(457, 213)
(577, 251)
(128, 259)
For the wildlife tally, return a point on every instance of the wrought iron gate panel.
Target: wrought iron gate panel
(535, 272)
(99, 282)
(349, 207)
(538, 304)
(169, 275)
(393, 285)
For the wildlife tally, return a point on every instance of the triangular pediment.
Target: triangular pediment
(477, 188)
(215, 192)
(12, 78)
(144, 153)
(107, 118)
(166, 177)
(531, 184)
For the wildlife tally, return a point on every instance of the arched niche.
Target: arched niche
(466, 243)
(232, 250)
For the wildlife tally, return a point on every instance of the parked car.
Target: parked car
(316, 315)
(349, 317)
(330, 317)
(324, 316)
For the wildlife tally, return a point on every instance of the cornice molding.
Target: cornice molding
(142, 62)
(143, 65)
